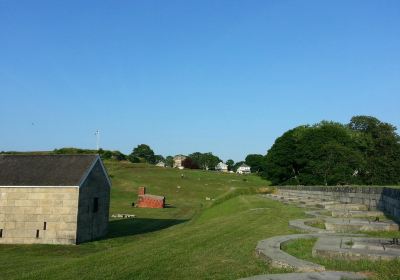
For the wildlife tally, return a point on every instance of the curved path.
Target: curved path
(270, 250)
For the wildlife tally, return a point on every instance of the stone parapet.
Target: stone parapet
(386, 199)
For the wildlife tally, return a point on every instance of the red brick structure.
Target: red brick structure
(142, 191)
(149, 200)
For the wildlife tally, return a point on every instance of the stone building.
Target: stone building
(53, 199)
(178, 159)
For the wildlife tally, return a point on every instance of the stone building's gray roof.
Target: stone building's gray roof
(44, 170)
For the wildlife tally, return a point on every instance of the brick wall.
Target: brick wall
(142, 191)
(147, 201)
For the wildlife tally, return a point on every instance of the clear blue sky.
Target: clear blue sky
(183, 76)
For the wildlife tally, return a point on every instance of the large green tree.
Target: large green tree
(230, 164)
(366, 151)
(144, 153)
(282, 164)
(380, 146)
(206, 161)
(169, 161)
(256, 163)
(159, 158)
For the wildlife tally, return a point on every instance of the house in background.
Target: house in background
(243, 169)
(53, 199)
(222, 167)
(178, 159)
(160, 164)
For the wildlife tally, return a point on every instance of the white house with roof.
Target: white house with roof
(243, 169)
(222, 167)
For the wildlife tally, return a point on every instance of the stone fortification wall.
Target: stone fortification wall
(44, 215)
(94, 204)
(386, 199)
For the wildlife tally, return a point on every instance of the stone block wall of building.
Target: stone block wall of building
(93, 209)
(386, 199)
(30, 215)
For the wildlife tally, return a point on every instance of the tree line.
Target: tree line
(197, 160)
(364, 151)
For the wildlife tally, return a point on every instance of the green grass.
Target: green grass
(193, 238)
(379, 270)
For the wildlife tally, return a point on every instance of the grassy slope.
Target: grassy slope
(194, 238)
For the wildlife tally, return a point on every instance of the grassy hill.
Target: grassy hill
(193, 238)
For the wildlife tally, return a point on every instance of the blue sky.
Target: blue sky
(183, 76)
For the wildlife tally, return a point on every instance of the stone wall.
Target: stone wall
(44, 215)
(383, 198)
(93, 216)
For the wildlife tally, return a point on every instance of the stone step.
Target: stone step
(344, 206)
(356, 213)
(299, 224)
(352, 225)
(356, 248)
(323, 204)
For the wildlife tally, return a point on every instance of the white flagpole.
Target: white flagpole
(97, 139)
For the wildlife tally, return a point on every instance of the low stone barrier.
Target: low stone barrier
(386, 199)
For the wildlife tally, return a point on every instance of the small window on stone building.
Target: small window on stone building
(95, 204)
(1, 233)
(44, 225)
(37, 233)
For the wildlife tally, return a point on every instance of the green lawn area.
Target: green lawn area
(193, 238)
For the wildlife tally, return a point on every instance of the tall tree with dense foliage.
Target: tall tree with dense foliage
(142, 152)
(330, 155)
(189, 163)
(169, 161)
(281, 163)
(159, 158)
(230, 163)
(380, 146)
(366, 151)
(206, 161)
(256, 163)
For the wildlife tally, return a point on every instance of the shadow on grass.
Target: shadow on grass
(121, 228)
